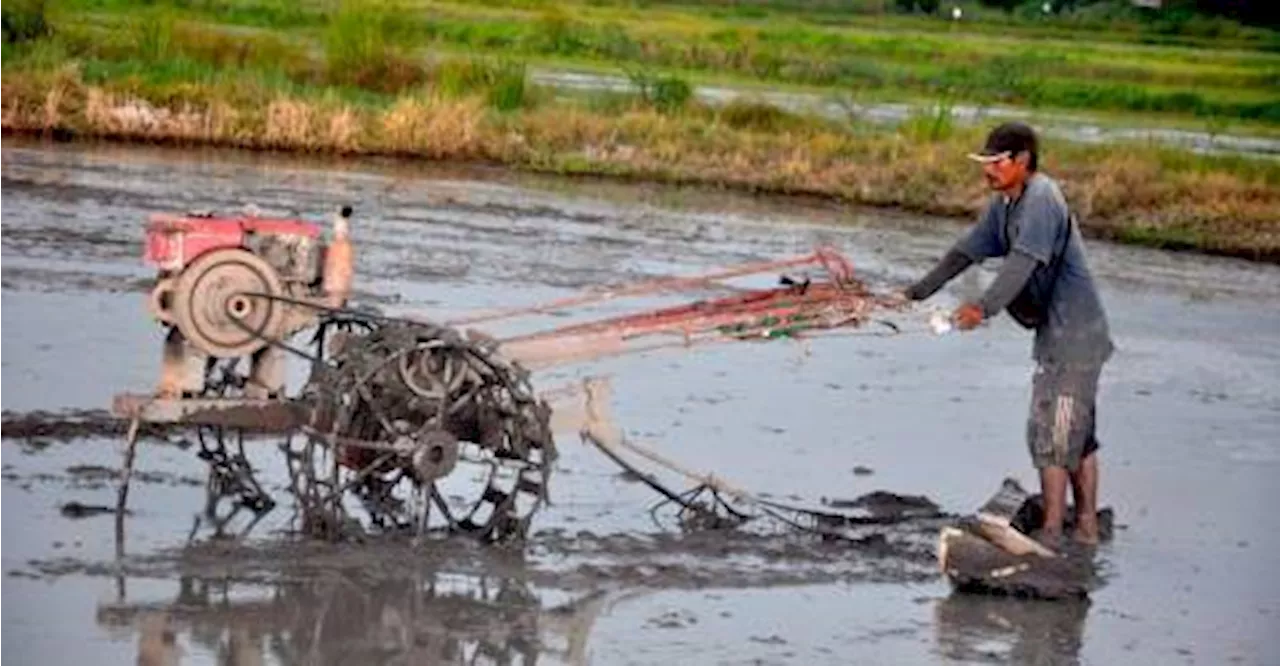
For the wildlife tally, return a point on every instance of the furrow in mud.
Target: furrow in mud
(71, 424)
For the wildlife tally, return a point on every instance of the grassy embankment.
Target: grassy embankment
(358, 80)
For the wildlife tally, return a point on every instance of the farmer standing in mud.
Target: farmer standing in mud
(1045, 284)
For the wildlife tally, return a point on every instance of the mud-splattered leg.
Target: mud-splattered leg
(1084, 487)
(1053, 485)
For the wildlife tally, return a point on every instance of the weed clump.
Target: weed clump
(503, 83)
(930, 123)
(24, 21)
(362, 48)
(152, 36)
(758, 116)
(664, 92)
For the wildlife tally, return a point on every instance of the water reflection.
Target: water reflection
(350, 617)
(1007, 630)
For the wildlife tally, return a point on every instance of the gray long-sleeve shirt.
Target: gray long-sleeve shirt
(1045, 264)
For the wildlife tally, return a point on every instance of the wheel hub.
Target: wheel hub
(434, 456)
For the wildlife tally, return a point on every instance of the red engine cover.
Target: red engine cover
(174, 241)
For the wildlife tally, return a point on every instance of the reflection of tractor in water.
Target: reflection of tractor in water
(342, 617)
(389, 408)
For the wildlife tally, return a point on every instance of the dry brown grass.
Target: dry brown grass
(1121, 194)
(435, 128)
(127, 117)
(8, 112)
(290, 125)
(60, 93)
(343, 130)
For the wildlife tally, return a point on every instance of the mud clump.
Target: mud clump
(884, 505)
(77, 510)
(92, 473)
(35, 445)
(887, 503)
(677, 619)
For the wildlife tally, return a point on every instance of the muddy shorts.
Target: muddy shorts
(1061, 428)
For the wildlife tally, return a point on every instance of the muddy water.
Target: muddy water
(1190, 424)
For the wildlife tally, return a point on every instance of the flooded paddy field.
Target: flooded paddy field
(1189, 420)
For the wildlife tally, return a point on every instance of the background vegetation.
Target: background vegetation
(452, 81)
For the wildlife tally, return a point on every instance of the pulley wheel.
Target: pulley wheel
(213, 309)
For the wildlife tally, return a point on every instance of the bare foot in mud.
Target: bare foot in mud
(1086, 533)
(1051, 539)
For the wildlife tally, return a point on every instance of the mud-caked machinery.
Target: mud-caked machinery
(386, 409)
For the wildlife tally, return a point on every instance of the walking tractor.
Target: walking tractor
(396, 423)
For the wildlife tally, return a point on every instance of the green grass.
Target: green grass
(901, 58)
(1036, 75)
(24, 21)
(1112, 22)
(364, 45)
(504, 83)
(380, 45)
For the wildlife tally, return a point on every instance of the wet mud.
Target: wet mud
(554, 558)
(39, 279)
(888, 506)
(76, 510)
(96, 477)
(38, 427)
(902, 433)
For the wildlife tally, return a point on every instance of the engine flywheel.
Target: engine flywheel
(213, 307)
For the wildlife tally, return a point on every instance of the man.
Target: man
(1045, 284)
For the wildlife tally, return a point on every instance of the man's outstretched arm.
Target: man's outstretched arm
(1013, 276)
(952, 264)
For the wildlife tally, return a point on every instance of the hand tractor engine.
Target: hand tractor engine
(228, 291)
(229, 288)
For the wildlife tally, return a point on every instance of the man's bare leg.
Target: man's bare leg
(1053, 487)
(1084, 489)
